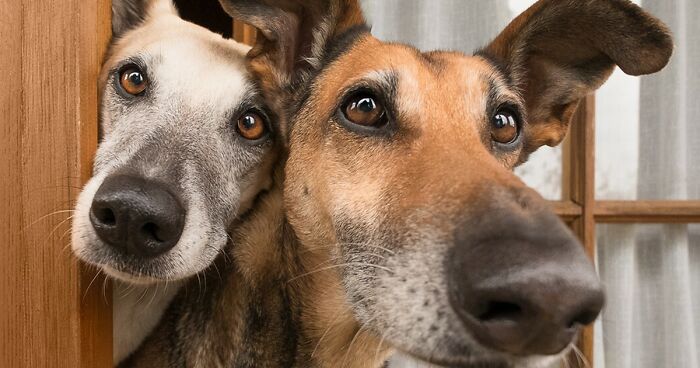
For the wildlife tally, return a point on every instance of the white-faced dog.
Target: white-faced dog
(185, 150)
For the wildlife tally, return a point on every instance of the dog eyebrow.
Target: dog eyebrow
(253, 99)
(381, 81)
(498, 95)
(498, 65)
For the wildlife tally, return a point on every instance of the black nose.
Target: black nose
(136, 216)
(521, 282)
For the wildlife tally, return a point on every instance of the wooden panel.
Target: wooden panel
(50, 58)
(244, 33)
(567, 210)
(647, 211)
(13, 258)
(95, 292)
(579, 188)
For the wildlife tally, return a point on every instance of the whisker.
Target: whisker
(104, 290)
(357, 333)
(153, 297)
(580, 357)
(90, 284)
(54, 213)
(57, 227)
(330, 326)
(379, 347)
(341, 265)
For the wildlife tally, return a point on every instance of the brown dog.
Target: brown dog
(403, 226)
(399, 185)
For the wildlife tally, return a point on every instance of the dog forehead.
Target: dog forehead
(187, 60)
(447, 76)
(426, 84)
(199, 72)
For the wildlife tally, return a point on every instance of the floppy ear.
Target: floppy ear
(293, 35)
(559, 51)
(129, 14)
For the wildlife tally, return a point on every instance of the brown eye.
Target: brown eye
(504, 127)
(364, 109)
(251, 126)
(133, 81)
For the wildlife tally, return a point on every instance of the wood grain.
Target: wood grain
(647, 211)
(51, 54)
(578, 187)
(244, 33)
(567, 210)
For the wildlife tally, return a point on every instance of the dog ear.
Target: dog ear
(559, 51)
(128, 14)
(293, 34)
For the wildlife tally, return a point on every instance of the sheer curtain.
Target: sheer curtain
(652, 272)
(648, 139)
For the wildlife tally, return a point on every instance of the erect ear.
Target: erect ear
(559, 51)
(129, 14)
(293, 35)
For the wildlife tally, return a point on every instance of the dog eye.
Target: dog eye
(504, 126)
(133, 80)
(364, 109)
(251, 126)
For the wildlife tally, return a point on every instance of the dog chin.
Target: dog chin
(408, 359)
(130, 278)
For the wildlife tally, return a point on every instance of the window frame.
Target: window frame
(580, 208)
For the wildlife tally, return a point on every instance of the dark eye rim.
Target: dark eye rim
(121, 70)
(268, 135)
(382, 129)
(512, 110)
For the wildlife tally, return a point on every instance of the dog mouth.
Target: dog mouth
(125, 268)
(176, 265)
(493, 361)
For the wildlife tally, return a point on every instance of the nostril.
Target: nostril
(106, 216)
(499, 311)
(150, 231)
(584, 318)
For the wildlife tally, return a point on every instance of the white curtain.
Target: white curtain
(648, 145)
(652, 272)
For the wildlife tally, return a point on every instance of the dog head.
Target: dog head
(185, 148)
(399, 179)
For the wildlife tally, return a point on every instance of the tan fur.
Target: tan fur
(407, 194)
(399, 200)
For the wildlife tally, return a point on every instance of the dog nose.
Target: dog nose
(531, 313)
(137, 216)
(521, 282)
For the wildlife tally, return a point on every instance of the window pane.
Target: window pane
(652, 279)
(648, 131)
(543, 172)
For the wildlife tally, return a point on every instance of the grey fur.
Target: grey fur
(127, 14)
(180, 132)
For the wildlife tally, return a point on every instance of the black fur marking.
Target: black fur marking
(206, 13)
(499, 65)
(335, 48)
(343, 42)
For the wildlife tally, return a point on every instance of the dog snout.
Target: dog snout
(137, 216)
(521, 282)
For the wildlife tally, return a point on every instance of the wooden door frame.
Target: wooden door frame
(50, 57)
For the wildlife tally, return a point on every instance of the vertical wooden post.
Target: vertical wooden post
(50, 59)
(579, 187)
(244, 33)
